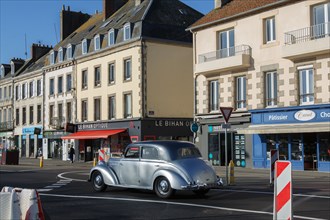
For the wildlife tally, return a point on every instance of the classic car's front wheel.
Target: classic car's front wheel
(163, 188)
(98, 182)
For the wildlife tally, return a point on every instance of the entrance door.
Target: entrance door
(223, 148)
(310, 158)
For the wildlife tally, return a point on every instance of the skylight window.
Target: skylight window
(105, 24)
(91, 28)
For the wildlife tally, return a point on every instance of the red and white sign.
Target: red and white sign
(226, 112)
(283, 191)
(273, 158)
(101, 155)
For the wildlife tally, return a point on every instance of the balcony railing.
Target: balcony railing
(223, 53)
(307, 34)
(5, 126)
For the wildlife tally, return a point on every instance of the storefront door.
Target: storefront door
(310, 157)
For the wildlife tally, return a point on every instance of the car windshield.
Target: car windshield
(188, 152)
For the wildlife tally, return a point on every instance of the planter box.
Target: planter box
(10, 157)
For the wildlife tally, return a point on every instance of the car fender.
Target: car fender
(175, 179)
(109, 176)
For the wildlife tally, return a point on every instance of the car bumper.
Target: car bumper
(216, 185)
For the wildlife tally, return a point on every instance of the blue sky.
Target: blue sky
(39, 21)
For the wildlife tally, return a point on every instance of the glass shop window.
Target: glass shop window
(270, 144)
(324, 147)
(296, 147)
(283, 147)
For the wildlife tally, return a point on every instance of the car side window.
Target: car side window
(149, 153)
(132, 152)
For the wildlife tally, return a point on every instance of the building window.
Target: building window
(5, 93)
(84, 110)
(97, 43)
(84, 79)
(111, 37)
(214, 95)
(112, 107)
(84, 46)
(321, 20)
(52, 58)
(127, 105)
(17, 117)
(240, 92)
(97, 109)
(69, 52)
(60, 55)
(271, 89)
(17, 92)
(60, 85)
(31, 89)
(31, 115)
(97, 76)
(127, 31)
(5, 115)
(270, 30)
(51, 87)
(38, 114)
(24, 91)
(306, 84)
(51, 115)
(68, 112)
(0, 93)
(127, 69)
(111, 73)
(227, 43)
(9, 92)
(9, 115)
(24, 115)
(60, 112)
(39, 87)
(68, 82)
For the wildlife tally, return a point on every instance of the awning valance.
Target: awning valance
(286, 128)
(94, 134)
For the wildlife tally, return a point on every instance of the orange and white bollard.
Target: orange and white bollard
(41, 163)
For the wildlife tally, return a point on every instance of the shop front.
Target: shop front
(300, 134)
(114, 136)
(53, 146)
(31, 141)
(212, 138)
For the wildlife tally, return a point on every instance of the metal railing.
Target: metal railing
(8, 125)
(307, 34)
(223, 53)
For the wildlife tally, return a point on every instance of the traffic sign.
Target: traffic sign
(226, 112)
(194, 127)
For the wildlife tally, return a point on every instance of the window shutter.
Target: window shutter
(20, 89)
(34, 88)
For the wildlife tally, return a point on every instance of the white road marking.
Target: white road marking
(174, 203)
(66, 178)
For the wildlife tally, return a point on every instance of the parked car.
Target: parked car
(161, 166)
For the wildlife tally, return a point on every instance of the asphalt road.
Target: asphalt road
(65, 194)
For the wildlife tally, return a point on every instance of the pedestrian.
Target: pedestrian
(71, 154)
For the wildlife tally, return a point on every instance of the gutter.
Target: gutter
(238, 15)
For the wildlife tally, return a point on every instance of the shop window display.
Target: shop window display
(324, 147)
(283, 147)
(296, 147)
(270, 143)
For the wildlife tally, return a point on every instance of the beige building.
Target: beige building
(132, 69)
(272, 67)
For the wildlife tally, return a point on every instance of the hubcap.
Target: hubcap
(163, 185)
(98, 180)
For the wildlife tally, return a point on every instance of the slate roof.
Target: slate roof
(234, 9)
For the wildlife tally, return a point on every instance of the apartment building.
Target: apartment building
(6, 107)
(28, 102)
(272, 66)
(132, 67)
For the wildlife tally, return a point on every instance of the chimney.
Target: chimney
(38, 50)
(70, 21)
(220, 3)
(111, 6)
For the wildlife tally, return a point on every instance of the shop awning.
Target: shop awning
(286, 128)
(94, 134)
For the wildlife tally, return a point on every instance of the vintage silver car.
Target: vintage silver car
(162, 166)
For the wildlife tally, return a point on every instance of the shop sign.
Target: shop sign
(172, 123)
(304, 115)
(30, 130)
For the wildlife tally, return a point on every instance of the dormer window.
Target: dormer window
(111, 37)
(2, 71)
(97, 42)
(69, 52)
(84, 46)
(52, 58)
(12, 68)
(127, 31)
(60, 55)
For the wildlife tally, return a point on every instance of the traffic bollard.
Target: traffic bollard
(94, 162)
(41, 164)
(232, 176)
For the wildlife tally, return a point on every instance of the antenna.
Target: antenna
(25, 48)
(55, 33)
